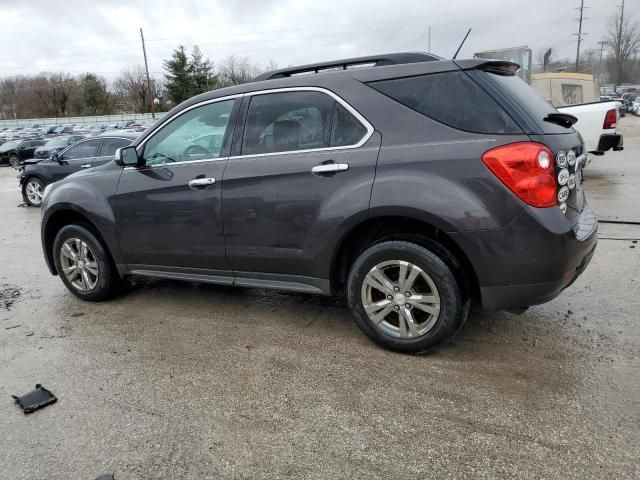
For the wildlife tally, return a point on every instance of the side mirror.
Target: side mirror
(55, 157)
(128, 157)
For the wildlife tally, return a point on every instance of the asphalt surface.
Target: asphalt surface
(175, 380)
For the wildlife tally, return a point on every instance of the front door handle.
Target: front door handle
(330, 168)
(86, 165)
(200, 183)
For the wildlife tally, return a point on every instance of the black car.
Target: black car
(55, 145)
(37, 174)
(15, 151)
(411, 185)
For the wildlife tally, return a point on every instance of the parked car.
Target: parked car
(15, 151)
(411, 186)
(635, 107)
(54, 145)
(88, 153)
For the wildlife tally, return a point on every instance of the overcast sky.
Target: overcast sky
(79, 36)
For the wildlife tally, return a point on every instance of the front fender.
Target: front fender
(88, 197)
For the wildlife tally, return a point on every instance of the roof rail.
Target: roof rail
(345, 64)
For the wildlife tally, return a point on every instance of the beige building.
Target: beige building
(563, 88)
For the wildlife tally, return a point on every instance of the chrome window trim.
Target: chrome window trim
(333, 95)
(175, 164)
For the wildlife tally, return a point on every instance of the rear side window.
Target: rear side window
(451, 98)
(110, 145)
(289, 121)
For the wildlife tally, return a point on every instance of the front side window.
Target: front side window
(181, 140)
(86, 149)
(303, 120)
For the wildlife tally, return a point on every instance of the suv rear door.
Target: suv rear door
(108, 149)
(303, 162)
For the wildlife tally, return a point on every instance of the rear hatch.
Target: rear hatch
(542, 123)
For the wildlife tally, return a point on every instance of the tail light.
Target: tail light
(611, 119)
(527, 170)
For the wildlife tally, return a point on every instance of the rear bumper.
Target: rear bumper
(533, 259)
(610, 141)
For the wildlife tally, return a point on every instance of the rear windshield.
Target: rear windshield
(451, 98)
(528, 99)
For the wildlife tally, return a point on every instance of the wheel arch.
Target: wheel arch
(60, 219)
(382, 228)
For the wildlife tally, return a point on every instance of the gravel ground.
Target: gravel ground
(178, 381)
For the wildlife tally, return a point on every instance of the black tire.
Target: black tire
(108, 282)
(25, 197)
(454, 304)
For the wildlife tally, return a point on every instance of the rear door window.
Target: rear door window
(451, 98)
(110, 145)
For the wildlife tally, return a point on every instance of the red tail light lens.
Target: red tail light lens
(611, 119)
(527, 170)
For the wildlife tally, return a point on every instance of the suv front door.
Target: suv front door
(169, 210)
(304, 163)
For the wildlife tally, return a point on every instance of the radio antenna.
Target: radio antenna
(463, 40)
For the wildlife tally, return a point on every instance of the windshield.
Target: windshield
(529, 99)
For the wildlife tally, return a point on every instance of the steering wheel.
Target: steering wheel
(195, 150)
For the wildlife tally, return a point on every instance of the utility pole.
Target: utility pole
(429, 49)
(581, 8)
(619, 46)
(146, 67)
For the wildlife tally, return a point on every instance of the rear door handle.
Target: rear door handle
(86, 165)
(200, 183)
(330, 168)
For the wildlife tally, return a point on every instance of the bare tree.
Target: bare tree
(132, 90)
(623, 40)
(236, 70)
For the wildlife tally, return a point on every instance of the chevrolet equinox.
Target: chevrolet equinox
(410, 184)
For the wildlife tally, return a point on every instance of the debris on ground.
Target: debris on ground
(12, 326)
(105, 477)
(8, 295)
(38, 398)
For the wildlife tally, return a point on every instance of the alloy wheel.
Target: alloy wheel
(34, 192)
(400, 299)
(79, 265)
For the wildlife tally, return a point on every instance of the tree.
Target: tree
(95, 97)
(178, 83)
(236, 70)
(203, 77)
(132, 90)
(623, 40)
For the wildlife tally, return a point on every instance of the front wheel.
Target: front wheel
(33, 191)
(14, 161)
(405, 298)
(83, 264)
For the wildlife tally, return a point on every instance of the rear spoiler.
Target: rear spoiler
(499, 67)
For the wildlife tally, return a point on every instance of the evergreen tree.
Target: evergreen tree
(202, 73)
(179, 84)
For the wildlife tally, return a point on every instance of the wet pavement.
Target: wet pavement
(175, 380)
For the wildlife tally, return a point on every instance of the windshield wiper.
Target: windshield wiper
(562, 119)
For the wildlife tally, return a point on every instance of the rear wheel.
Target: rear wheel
(14, 161)
(405, 298)
(83, 264)
(33, 191)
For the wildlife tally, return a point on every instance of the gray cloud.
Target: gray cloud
(79, 36)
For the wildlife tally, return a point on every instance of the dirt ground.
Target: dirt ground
(177, 381)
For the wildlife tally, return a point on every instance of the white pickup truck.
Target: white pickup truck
(597, 123)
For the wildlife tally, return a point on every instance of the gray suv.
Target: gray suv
(410, 184)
